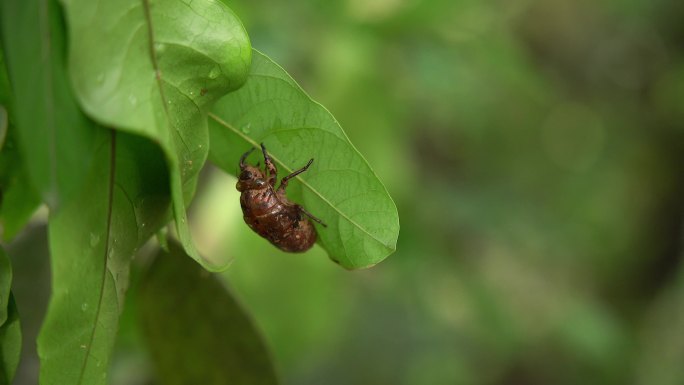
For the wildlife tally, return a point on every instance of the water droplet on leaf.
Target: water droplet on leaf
(215, 72)
(159, 48)
(94, 239)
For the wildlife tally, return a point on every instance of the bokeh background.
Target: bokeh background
(535, 151)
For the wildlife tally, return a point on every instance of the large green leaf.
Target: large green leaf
(92, 238)
(18, 199)
(10, 343)
(54, 137)
(340, 187)
(196, 331)
(153, 67)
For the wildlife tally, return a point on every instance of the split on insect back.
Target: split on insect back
(269, 212)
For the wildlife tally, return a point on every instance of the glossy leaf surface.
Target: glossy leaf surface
(92, 240)
(164, 63)
(339, 187)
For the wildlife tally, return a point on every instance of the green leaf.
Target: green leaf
(339, 187)
(196, 331)
(10, 332)
(92, 239)
(54, 137)
(3, 125)
(5, 89)
(163, 64)
(5, 93)
(4, 100)
(5, 284)
(10, 343)
(18, 199)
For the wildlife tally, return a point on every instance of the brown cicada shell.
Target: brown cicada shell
(268, 212)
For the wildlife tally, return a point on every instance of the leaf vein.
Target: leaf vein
(307, 185)
(105, 267)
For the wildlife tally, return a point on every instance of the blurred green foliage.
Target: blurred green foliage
(534, 149)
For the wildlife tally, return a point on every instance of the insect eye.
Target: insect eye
(245, 175)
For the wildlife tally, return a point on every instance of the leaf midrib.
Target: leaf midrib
(153, 56)
(307, 185)
(105, 266)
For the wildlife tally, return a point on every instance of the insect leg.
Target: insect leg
(308, 214)
(243, 157)
(283, 182)
(270, 167)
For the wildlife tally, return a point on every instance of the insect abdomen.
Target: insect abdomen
(282, 226)
(269, 213)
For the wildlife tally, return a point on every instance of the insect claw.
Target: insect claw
(244, 156)
(271, 169)
(308, 214)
